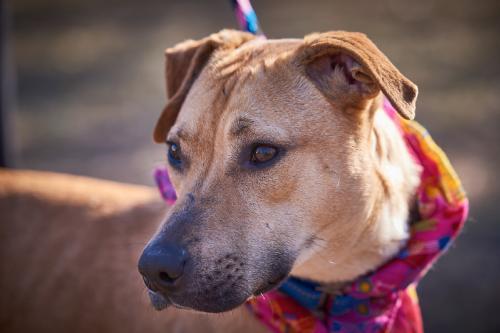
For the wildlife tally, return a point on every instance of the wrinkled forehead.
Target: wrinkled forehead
(255, 84)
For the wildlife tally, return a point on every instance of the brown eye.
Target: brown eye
(174, 154)
(261, 154)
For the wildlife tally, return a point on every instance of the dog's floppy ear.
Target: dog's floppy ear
(348, 67)
(184, 62)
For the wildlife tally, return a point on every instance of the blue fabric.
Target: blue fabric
(304, 292)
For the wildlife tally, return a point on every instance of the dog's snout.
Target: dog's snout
(162, 267)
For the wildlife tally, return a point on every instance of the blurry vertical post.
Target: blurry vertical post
(7, 84)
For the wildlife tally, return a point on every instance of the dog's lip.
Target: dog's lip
(270, 285)
(158, 301)
(161, 302)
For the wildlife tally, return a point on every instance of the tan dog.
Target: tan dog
(282, 162)
(69, 248)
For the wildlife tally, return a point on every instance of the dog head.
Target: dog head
(269, 149)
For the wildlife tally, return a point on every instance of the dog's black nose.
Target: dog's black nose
(162, 266)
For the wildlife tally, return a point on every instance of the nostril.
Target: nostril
(165, 277)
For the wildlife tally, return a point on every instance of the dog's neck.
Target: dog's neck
(395, 180)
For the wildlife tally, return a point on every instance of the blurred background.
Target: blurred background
(83, 84)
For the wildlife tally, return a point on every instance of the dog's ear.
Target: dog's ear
(184, 62)
(348, 68)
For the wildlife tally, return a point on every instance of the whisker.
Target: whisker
(338, 180)
(269, 303)
(317, 241)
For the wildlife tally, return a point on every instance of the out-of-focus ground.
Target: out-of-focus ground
(91, 84)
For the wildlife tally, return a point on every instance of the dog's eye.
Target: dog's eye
(263, 153)
(174, 154)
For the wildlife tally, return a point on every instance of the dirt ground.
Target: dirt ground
(90, 87)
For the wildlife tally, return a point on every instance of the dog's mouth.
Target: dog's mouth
(158, 301)
(270, 285)
(161, 302)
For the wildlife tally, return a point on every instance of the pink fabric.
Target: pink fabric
(165, 187)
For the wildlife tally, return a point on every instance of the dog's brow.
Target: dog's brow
(240, 125)
(180, 133)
